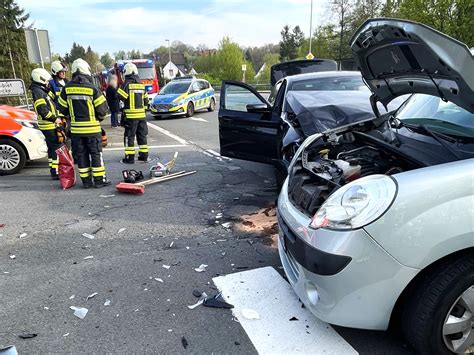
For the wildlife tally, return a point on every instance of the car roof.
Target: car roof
(322, 74)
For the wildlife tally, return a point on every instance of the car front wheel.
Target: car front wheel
(439, 317)
(12, 157)
(190, 110)
(212, 105)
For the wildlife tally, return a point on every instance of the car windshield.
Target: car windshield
(175, 88)
(438, 115)
(145, 73)
(329, 84)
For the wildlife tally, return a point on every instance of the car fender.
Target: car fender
(432, 215)
(291, 137)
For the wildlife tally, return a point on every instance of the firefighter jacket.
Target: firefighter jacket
(56, 87)
(43, 102)
(84, 104)
(134, 96)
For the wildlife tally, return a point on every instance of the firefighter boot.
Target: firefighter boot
(143, 157)
(54, 174)
(101, 181)
(87, 182)
(129, 159)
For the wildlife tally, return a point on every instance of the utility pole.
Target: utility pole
(169, 56)
(311, 27)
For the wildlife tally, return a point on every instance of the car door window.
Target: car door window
(237, 98)
(195, 87)
(203, 85)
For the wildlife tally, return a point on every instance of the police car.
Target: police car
(183, 96)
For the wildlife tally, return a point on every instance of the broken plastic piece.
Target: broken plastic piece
(121, 230)
(27, 335)
(72, 297)
(79, 312)
(227, 225)
(23, 235)
(158, 279)
(200, 302)
(184, 342)
(88, 257)
(201, 268)
(88, 236)
(248, 313)
(171, 244)
(197, 293)
(166, 266)
(293, 319)
(91, 295)
(12, 256)
(217, 302)
(106, 196)
(107, 303)
(65, 335)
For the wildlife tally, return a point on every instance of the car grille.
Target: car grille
(163, 106)
(307, 191)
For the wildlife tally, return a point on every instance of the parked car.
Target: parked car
(20, 139)
(270, 131)
(376, 218)
(183, 96)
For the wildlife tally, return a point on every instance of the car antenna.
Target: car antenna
(440, 93)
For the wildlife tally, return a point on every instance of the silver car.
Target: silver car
(377, 218)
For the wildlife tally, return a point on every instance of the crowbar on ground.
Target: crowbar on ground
(139, 187)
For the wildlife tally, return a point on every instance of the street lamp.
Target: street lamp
(310, 54)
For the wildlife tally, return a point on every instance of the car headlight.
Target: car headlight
(356, 204)
(179, 103)
(28, 123)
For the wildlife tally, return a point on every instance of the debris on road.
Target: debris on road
(158, 279)
(184, 342)
(200, 302)
(227, 225)
(72, 297)
(12, 256)
(88, 236)
(23, 235)
(88, 257)
(201, 268)
(91, 296)
(27, 335)
(217, 302)
(65, 335)
(106, 196)
(197, 293)
(171, 244)
(292, 319)
(79, 312)
(249, 313)
(107, 302)
(121, 230)
(166, 266)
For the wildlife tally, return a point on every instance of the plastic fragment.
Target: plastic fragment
(23, 235)
(79, 312)
(107, 303)
(216, 302)
(88, 257)
(293, 319)
(166, 266)
(27, 335)
(171, 244)
(200, 302)
(197, 293)
(72, 297)
(46, 308)
(106, 196)
(187, 248)
(158, 279)
(121, 230)
(65, 335)
(12, 256)
(91, 296)
(88, 236)
(184, 342)
(248, 313)
(201, 268)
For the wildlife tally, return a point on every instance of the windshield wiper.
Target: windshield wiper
(439, 137)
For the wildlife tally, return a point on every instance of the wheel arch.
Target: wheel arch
(407, 293)
(16, 140)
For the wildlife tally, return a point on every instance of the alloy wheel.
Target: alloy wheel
(458, 328)
(9, 157)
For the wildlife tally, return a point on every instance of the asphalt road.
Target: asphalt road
(47, 265)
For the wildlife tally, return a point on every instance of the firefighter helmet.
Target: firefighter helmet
(80, 66)
(40, 76)
(130, 69)
(57, 67)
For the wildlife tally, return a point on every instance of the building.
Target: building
(176, 67)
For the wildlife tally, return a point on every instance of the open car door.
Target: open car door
(248, 128)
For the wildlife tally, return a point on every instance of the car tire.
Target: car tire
(438, 296)
(12, 157)
(212, 105)
(190, 110)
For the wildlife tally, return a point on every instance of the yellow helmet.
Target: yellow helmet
(40, 76)
(129, 69)
(80, 66)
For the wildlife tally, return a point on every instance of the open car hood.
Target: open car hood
(295, 67)
(398, 57)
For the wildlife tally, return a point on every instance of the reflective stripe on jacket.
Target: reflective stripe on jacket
(135, 98)
(84, 104)
(43, 102)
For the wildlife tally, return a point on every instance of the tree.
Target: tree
(290, 42)
(77, 51)
(106, 60)
(120, 55)
(13, 54)
(92, 58)
(268, 60)
(229, 60)
(134, 54)
(342, 8)
(256, 55)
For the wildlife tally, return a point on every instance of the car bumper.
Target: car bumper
(174, 111)
(343, 278)
(34, 142)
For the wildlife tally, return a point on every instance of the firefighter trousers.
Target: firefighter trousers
(88, 152)
(136, 128)
(52, 144)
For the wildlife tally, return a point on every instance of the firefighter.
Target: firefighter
(48, 117)
(135, 99)
(58, 80)
(86, 106)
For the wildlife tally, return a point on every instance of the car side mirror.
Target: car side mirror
(258, 108)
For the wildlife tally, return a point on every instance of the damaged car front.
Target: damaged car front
(377, 218)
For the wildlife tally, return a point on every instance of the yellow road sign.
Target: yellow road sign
(310, 56)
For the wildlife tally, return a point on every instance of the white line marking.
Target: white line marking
(265, 291)
(198, 119)
(167, 133)
(152, 147)
(213, 152)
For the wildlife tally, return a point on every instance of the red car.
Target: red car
(20, 139)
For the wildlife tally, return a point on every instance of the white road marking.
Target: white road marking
(168, 133)
(198, 119)
(213, 152)
(266, 292)
(151, 147)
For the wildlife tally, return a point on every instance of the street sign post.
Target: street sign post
(244, 69)
(310, 56)
(13, 87)
(37, 44)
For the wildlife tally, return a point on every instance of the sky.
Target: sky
(108, 26)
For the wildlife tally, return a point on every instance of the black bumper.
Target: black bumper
(312, 259)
